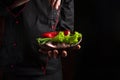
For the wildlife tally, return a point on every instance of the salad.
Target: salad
(60, 37)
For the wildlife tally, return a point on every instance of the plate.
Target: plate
(53, 45)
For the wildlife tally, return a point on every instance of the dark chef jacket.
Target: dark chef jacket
(19, 50)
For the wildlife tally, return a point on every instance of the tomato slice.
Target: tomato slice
(67, 32)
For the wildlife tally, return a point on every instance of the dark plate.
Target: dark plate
(51, 45)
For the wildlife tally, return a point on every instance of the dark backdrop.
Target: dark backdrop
(99, 22)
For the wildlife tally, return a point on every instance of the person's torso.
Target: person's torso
(19, 43)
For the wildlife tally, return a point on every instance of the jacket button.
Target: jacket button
(14, 44)
(43, 70)
(11, 66)
(17, 22)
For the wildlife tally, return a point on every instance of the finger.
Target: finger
(49, 54)
(77, 47)
(19, 3)
(55, 53)
(52, 2)
(64, 53)
(57, 4)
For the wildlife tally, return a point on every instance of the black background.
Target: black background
(99, 22)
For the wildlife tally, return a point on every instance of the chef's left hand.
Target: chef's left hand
(55, 4)
(18, 3)
(53, 53)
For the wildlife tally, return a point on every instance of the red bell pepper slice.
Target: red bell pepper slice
(53, 34)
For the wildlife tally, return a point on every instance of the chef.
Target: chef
(25, 20)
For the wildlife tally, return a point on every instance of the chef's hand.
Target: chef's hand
(18, 3)
(53, 53)
(55, 4)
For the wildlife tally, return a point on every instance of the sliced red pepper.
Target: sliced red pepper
(49, 34)
(53, 34)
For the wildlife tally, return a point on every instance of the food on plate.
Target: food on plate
(60, 37)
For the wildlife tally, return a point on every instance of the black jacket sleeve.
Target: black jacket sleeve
(66, 21)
